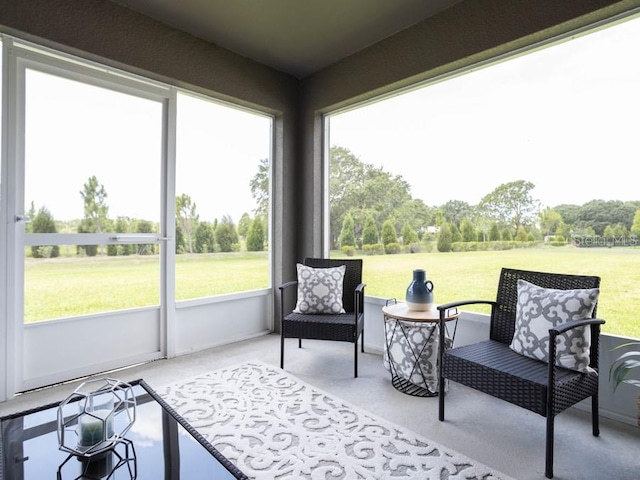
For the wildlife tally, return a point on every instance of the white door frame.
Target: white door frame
(145, 345)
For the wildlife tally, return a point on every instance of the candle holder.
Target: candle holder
(118, 462)
(95, 417)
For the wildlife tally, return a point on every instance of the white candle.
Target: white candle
(95, 427)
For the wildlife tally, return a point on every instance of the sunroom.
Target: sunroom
(111, 94)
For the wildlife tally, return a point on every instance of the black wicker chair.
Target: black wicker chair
(345, 327)
(492, 367)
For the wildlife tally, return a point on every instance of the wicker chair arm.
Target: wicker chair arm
(447, 306)
(358, 300)
(553, 332)
(284, 286)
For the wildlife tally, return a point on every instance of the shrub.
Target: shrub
(415, 247)
(391, 248)
(409, 235)
(44, 223)
(428, 246)
(226, 235)
(389, 234)
(373, 249)
(347, 235)
(205, 237)
(445, 239)
(348, 250)
(369, 231)
(521, 234)
(468, 231)
(255, 236)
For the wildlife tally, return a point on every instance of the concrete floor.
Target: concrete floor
(500, 435)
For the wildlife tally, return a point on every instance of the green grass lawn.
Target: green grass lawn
(73, 286)
(474, 275)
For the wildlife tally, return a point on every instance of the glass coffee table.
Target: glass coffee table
(159, 445)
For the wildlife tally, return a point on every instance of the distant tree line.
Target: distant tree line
(192, 234)
(370, 210)
(373, 210)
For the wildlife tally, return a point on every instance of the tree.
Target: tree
(550, 220)
(226, 235)
(454, 211)
(31, 213)
(415, 213)
(456, 236)
(600, 213)
(570, 213)
(358, 187)
(43, 222)
(255, 237)
(179, 240)
(205, 238)
(94, 196)
(187, 219)
(244, 224)
(145, 226)
(121, 226)
(563, 229)
(409, 235)
(389, 234)
(85, 226)
(444, 238)
(494, 233)
(369, 231)
(511, 204)
(347, 234)
(522, 234)
(468, 231)
(260, 188)
(635, 226)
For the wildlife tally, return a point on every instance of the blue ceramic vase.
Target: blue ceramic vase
(420, 292)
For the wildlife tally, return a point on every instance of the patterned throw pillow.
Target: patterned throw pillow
(539, 309)
(320, 289)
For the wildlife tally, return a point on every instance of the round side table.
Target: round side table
(411, 348)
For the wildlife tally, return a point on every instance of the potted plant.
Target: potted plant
(622, 367)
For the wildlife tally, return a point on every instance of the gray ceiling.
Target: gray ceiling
(297, 37)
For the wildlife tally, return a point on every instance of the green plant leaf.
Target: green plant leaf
(628, 344)
(621, 368)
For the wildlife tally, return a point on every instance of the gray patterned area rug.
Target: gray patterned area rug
(272, 425)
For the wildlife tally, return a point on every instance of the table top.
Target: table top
(400, 311)
(160, 444)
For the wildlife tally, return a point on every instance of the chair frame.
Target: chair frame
(345, 327)
(492, 367)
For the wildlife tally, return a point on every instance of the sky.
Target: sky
(74, 131)
(564, 118)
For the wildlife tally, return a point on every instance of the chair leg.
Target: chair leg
(362, 340)
(440, 394)
(355, 359)
(548, 472)
(282, 350)
(300, 342)
(595, 417)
